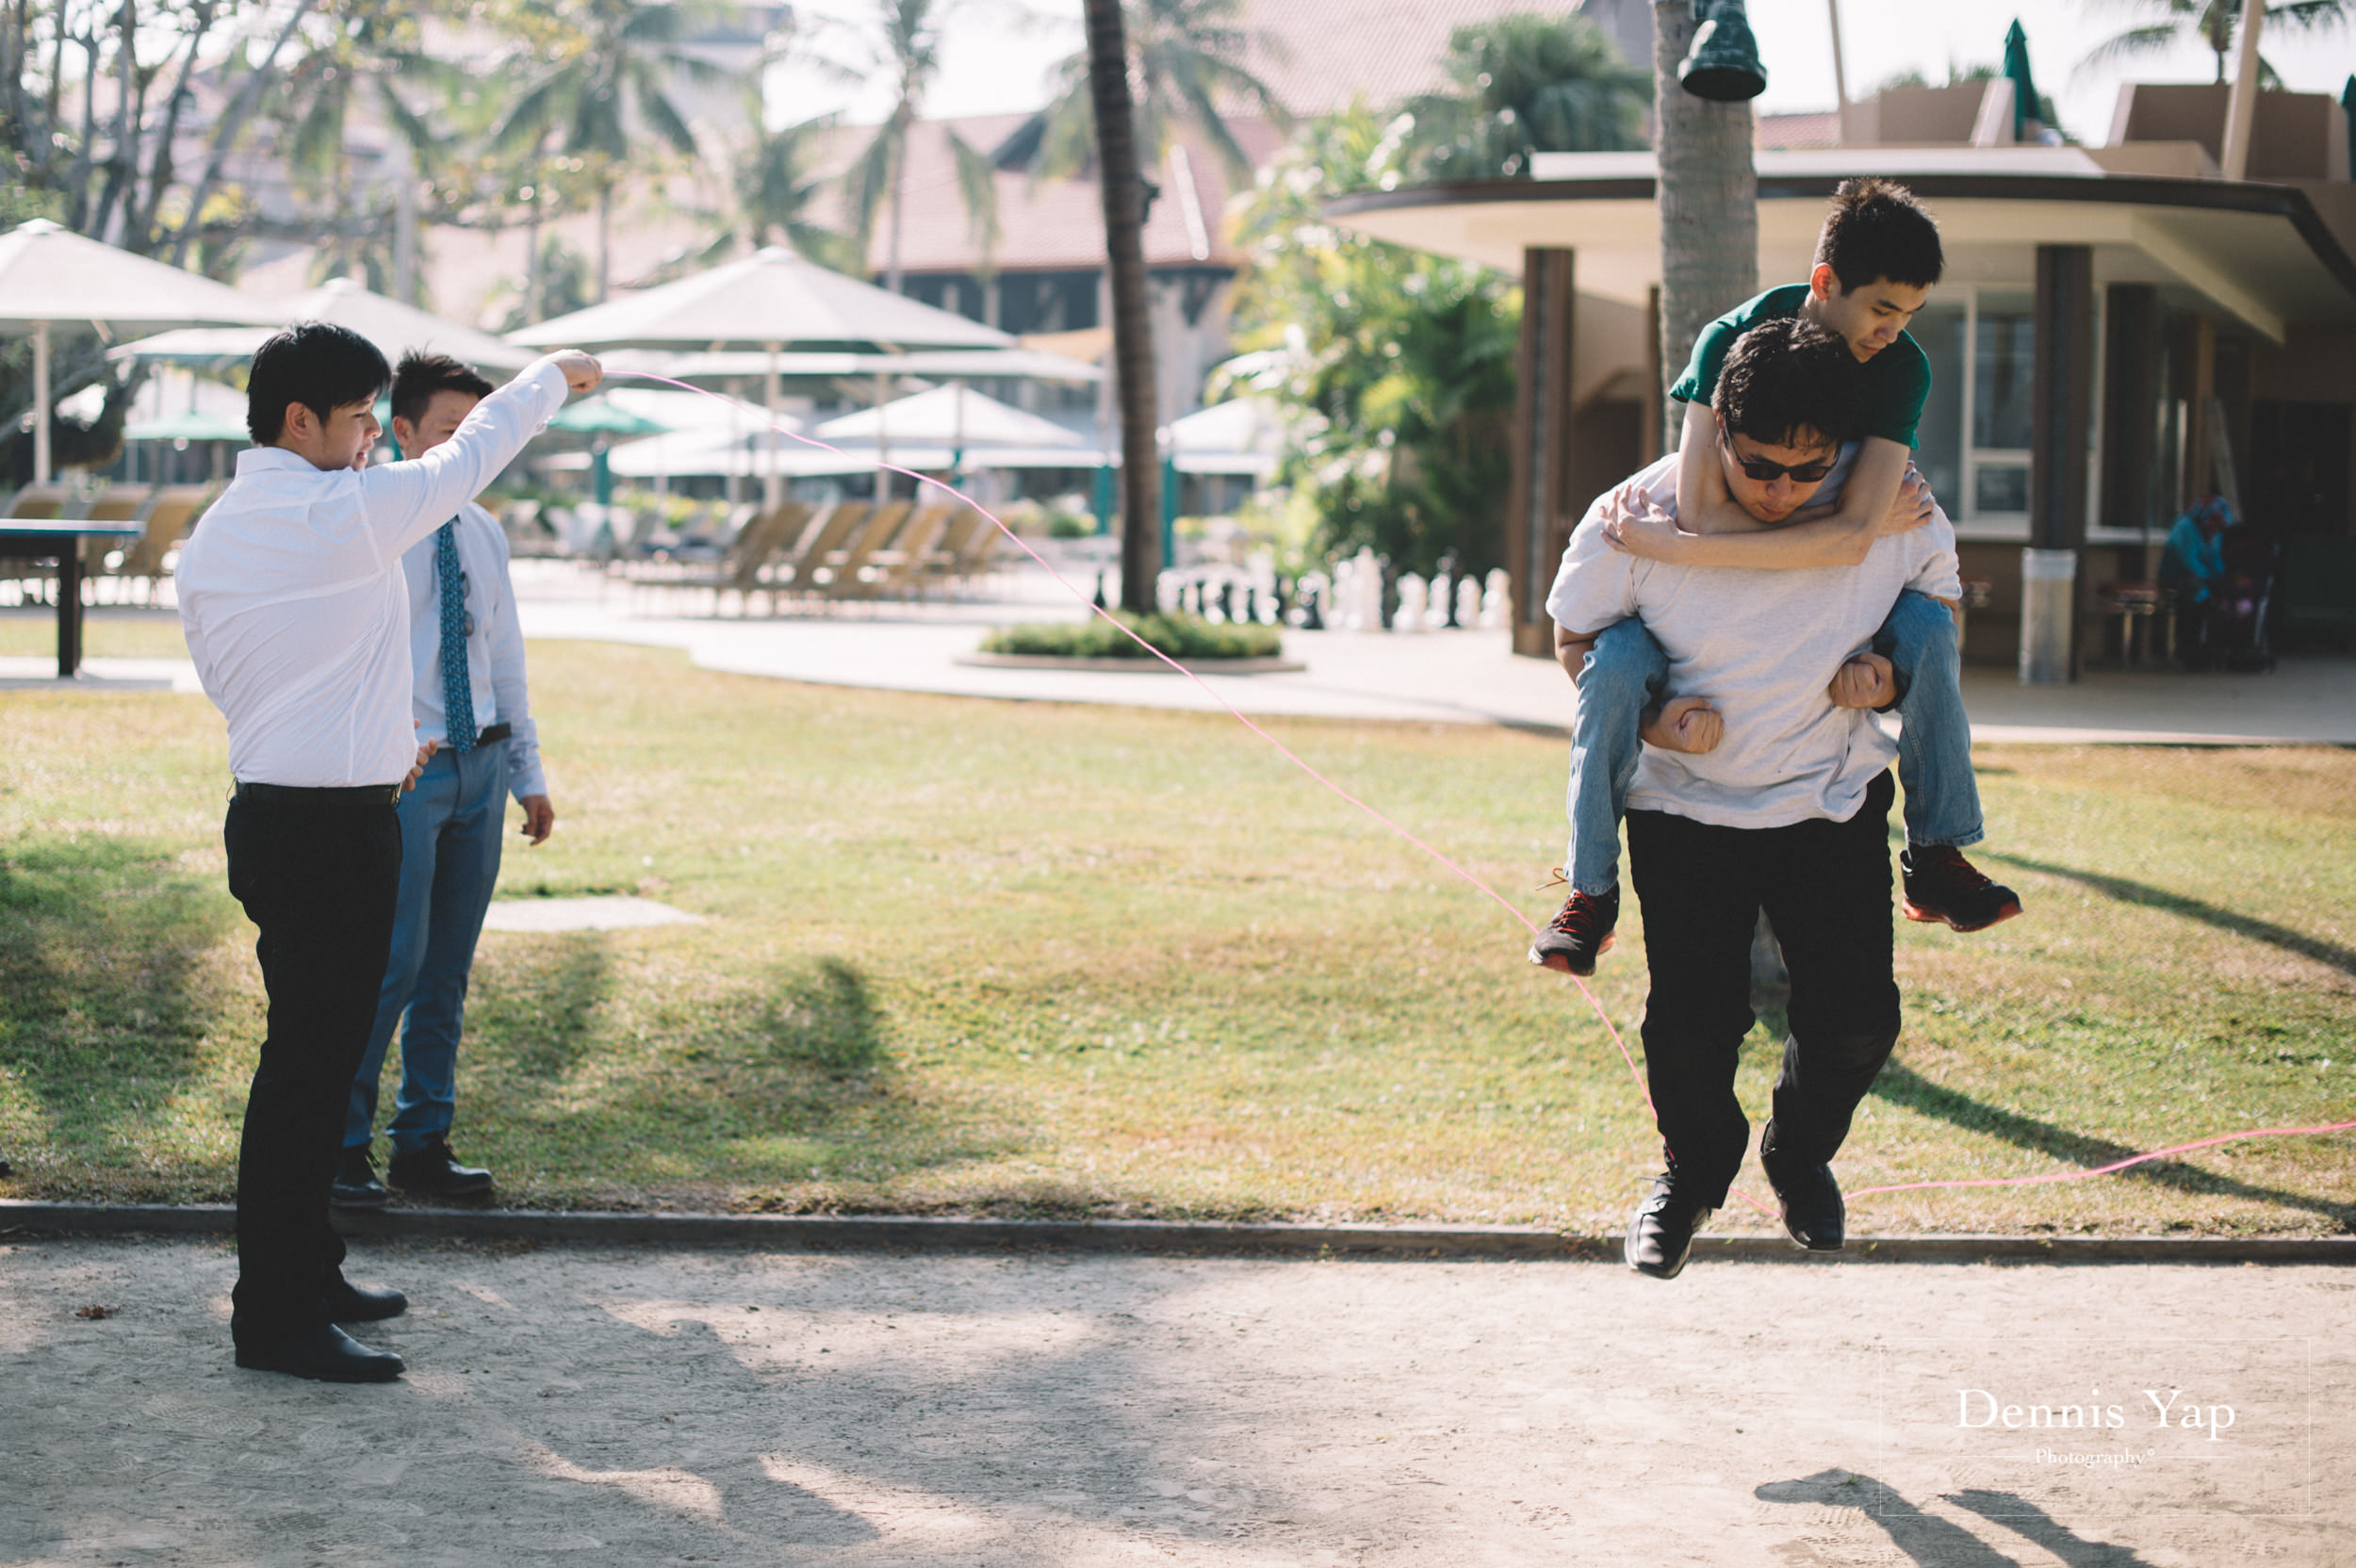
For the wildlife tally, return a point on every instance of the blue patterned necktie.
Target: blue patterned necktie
(457, 683)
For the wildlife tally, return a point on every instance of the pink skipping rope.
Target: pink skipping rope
(1483, 888)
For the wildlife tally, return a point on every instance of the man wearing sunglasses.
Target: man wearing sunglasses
(1877, 259)
(1786, 809)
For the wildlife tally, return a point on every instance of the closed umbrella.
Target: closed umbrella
(49, 274)
(2024, 98)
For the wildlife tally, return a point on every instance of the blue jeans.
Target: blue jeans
(450, 862)
(1626, 673)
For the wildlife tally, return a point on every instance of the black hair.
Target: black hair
(315, 364)
(419, 376)
(1877, 229)
(1787, 377)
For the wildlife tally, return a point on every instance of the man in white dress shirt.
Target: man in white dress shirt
(297, 616)
(471, 701)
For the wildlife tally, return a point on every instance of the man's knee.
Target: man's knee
(1624, 671)
(1920, 634)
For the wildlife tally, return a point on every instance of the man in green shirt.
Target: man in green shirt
(1876, 260)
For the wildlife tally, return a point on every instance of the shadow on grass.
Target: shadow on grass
(103, 1013)
(2143, 893)
(1901, 1085)
(587, 1068)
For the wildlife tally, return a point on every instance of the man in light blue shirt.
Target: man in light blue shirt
(467, 656)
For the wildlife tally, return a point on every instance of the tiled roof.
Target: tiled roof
(1819, 129)
(1048, 224)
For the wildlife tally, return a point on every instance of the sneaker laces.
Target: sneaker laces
(1948, 861)
(1580, 912)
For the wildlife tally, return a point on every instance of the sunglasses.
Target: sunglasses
(1764, 472)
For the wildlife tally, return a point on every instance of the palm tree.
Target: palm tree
(606, 80)
(778, 189)
(909, 48)
(1183, 58)
(1708, 199)
(1520, 85)
(2214, 23)
(1123, 186)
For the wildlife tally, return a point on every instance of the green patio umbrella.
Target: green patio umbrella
(2024, 98)
(600, 418)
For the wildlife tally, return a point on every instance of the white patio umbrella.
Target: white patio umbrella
(50, 275)
(393, 326)
(954, 415)
(771, 301)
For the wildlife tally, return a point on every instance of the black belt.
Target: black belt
(495, 733)
(322, 794)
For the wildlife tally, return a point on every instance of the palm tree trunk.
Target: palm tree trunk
(605, 237)
(1709, 194)
(899, 206)
(1123, 191)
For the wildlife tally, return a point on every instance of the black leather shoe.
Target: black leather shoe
(1660, 1231)
(435, 1171)
(355, 1185)
(326, 1354)
(351, 1304)
(1813, 1212)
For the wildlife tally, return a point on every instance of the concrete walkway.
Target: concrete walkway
(1436, 677)
(1011, 1409)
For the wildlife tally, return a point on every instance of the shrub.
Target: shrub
(1180, 636)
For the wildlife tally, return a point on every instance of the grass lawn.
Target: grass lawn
(972, 957)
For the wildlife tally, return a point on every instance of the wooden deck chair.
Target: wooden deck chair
(799, 573)
(117, 503)
(39, 503)
(168, 514)
(757, 545)
(892, 573)
(843, 568)
(967, 548)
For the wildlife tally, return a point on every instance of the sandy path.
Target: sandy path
(590, 1407)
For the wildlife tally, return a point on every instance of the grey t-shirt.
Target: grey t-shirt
(1762, 646)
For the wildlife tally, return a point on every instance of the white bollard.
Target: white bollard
(1412, 604)
(1496, 601)
(1467, 603)
(1365, 584)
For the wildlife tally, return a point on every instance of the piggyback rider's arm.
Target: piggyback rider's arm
(1883, 495)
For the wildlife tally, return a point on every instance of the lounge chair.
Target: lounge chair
(838, 577)
(892, 573)
(757, 545)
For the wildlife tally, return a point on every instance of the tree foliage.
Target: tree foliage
(2215, 23)
(1398, 366)
(1186, 71)
(1520, 85)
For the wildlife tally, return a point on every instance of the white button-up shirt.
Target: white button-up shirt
(495, 647)
(295, 613)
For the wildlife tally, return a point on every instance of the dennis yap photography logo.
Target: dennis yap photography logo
(2174, 1426)
(1979, 1408)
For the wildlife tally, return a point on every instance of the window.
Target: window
(1938, 438)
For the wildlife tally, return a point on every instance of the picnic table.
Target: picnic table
(61, 540)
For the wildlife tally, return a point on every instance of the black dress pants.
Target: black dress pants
(1825, 887)
(319, 873)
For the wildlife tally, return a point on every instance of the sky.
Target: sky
(997, 55)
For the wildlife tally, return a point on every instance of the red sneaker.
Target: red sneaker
(1579, 933)
(1943, 887)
